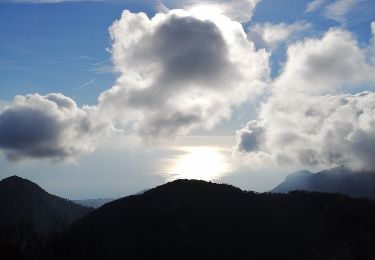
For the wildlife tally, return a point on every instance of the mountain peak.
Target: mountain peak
(22, 200)
(339, 179)
(185, 185)
(17, 183)
(14, 178)
(299, 173)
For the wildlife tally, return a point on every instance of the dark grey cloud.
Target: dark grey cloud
(50, 126)
(251, 137)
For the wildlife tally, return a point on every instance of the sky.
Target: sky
(108, 98)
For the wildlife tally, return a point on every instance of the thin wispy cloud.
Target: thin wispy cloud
(103, 62)
(88, 83)
(339, 9)
(342, 11)
(272, 35)
(314, 5)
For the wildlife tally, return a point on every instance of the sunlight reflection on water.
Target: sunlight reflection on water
(197, 162)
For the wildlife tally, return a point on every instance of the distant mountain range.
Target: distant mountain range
(93, 203)
(27, 212)
(188, 219)
(339, 179)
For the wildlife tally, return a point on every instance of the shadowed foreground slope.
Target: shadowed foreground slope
(196, 219)
(29, 215)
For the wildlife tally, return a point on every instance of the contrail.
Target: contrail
(101, 62)
(86, 84)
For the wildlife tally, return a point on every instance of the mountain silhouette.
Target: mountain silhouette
(189, 219)
(28, 214)
(93, 203)
(339, 179)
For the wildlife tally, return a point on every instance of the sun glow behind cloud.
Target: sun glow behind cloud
(198, 162)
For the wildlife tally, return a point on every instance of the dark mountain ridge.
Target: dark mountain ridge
(199, 220)
(29, 213)
(339, 179)
(21, 199)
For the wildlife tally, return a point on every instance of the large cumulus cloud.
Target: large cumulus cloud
(50, 126)
(180, 71)
(311, 119)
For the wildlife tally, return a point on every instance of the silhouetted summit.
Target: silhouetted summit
(201, 220)
(23, 200)
(30, 214)
(339, 179)
(14, 184)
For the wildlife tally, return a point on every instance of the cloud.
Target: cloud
(50, 126)
(315, 131)
(310, 120)
(326, 65)
(339, 9)
(315, 5)
(271, 35)
(250, 138)
(3, 105)
(344, 11)
(237, 10)
(180, 71)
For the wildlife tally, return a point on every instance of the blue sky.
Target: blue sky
(66, 48)
(59, 47)
(54, 48)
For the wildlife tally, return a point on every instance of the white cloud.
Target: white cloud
(315, 131)
(308, 120)
(326, 65)
(180, 71)
(3, 105)
(344, 11)
(339, 9)
(315, 5)
(238, 10)
(50, 126)
(272, 35)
